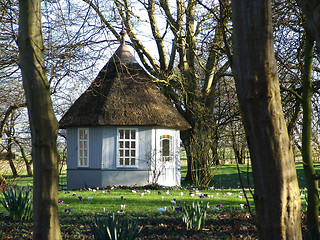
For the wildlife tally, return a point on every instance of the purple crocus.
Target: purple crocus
(219, 205)
(60, 201)
(179, 208)
(67, 210)
(80, 198)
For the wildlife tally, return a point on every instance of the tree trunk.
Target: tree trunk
(3, 183)
(309, 171)
(11, 156)
(44, 126)
(276, 194)
(26, 161)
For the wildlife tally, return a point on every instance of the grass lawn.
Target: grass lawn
(77, 207)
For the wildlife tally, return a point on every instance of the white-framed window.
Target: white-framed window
(83, 146)
(127, 147)
(166, 148)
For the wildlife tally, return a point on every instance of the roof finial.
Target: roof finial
(122, 33)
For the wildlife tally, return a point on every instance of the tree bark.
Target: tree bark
(276, 195)
(44, 126)
(309, 171)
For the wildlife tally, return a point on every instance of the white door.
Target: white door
(165, 161)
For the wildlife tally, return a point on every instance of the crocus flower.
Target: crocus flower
(67, 210)
(74, 194)
(60, 201)
(219, 205)
(80, 198)
(178, 208)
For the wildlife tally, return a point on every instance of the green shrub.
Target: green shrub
(18, 202)
(114, 229)
(194, 215)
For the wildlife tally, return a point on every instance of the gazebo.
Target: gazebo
(122, 130)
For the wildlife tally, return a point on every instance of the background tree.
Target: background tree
(44, 126)
(276, 195)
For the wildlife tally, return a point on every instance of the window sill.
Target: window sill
(127, 167)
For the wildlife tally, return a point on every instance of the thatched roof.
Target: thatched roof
(123, 94)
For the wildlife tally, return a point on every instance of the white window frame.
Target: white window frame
(169, 138)
(127, 149)
(83, 145)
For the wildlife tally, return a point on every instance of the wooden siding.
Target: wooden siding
(72, 148)
(95, 147)
(145, 147)
(109, 147)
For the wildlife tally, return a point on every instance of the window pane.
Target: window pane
(121, 134)
(127, 144)
(85, 134)
(85, 144)
(85, 161)
(127, 153)
(165, 147)
(121, 153)
(133, 144)
(133, 161)
(121, 161)
(85, 153)
(81, 144)
(127, 161)
(81, 134)
(81, 153)
(121, 144)
(133, 134)
(133, 153)
(127, 134)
